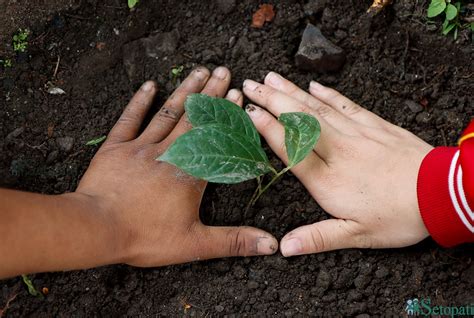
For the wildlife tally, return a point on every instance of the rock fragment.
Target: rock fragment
(157, 46)
(225, 6)
(414, 106)
(65, 143)
(318, 54)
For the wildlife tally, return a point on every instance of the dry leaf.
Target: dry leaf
(100, 46)
(378, 5)
(265, 13)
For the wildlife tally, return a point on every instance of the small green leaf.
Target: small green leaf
(31, 288)
(132, 3)
(451, 12)
(447, 27)
(302, 132)
(436, 8)
(204, 110)
(96, 141)
(217, 153)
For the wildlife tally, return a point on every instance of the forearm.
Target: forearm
(48, 233)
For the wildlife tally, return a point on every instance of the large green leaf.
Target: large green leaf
(436, 8)
(204, 110)
(451, 12)
(302, 132)
(217, 153)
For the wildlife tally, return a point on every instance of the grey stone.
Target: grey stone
(254, 57)
(414, 107)
(219, 308)
(52, 156)
(314, 7)
(161, 43)
(65, 143)
(362, 281)
(156, 46)
(15, 133)
(252, 284)
(323, 280)
(226, 6)
(209, 56)
(423, 118)
(243, 47)
(381, 272)
(316, 53)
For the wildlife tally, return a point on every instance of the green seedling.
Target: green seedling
(20, 40)
(96, 141)
(132, 3)
(31, 288)
(451, 10)
(6, 63)
(176, 73)
(224, 145)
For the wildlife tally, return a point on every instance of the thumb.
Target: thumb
(319, 237)
(221, 241)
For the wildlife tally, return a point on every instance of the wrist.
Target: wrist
(108, 248)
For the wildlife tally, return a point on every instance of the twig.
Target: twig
(57, 67)
(404, 55)
(10, 299)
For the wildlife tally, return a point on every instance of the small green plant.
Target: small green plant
(176, 73)
(451, 10)
(6, 63)
(20, 40)
(132, 3)
(224, 145)
(31, 288)
(96, 141)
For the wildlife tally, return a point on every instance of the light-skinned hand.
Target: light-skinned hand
(363, 171)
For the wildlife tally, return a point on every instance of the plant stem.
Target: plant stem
(259, 190)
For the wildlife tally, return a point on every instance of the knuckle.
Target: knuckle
(292, 89)
(167, 114)
(317, 240)
(351, 109)
(129, 116)
(237, 242)
(324, 111)
(358, 235)
(267, 93)
(267, 122)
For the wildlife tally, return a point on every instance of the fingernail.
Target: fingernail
(291, 247)
(233, 95)
(148, 86)
(266, 245)
(200, 73)
(251, 85)
(274, 79)
(315, 86)
(253, 111)
(221, 72)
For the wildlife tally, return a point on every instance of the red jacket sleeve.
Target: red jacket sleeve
(446, 191)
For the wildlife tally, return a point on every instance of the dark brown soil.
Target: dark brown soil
(394, 61)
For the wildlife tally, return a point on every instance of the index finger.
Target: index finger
(165, 120)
